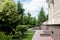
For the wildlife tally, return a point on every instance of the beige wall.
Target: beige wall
(54, 12)
(57, 11)
(43, 27)
(56, 32)
(50, 12)
(54, 18)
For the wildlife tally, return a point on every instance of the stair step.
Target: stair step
(45, 32)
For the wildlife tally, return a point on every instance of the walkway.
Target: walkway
(37, 36)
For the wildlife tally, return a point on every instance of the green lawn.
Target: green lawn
(28, 35)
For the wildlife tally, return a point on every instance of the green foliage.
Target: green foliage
(25, 20)
(20, 12)
(20, 8)
(17, 35)
(33, 21)
(12, 15)
(30, 26)
(47, 17)
(28, 35)
(8, 15)
(28, 20)
(5, 37)
(29, 15)
(8, 12)
(41, 17)
(2, 36)
(22, 28)
(8, 37)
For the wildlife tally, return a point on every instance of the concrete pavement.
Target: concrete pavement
(37, 36)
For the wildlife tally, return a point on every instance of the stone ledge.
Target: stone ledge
(51, 25)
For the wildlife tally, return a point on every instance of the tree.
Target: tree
(33, 22)
(29, 15)
(29, 18)
(8, 16)
(25, 20)
(47, 17)
(41, 16)
(20, 12)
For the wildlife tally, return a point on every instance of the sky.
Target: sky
(34, 6)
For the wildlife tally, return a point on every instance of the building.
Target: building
(54, 18)
(54, 11)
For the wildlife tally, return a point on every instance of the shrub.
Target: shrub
(5, 37)
(8, 37)
(2, 36)
(22, 28)
(16, 36)
(30, 26)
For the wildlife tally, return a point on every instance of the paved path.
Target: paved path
(37, 36)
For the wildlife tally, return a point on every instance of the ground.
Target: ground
(37, 36)
(28, 35)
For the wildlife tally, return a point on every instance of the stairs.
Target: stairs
(45, 32)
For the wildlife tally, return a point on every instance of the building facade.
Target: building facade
(54, 18)
(54, 11)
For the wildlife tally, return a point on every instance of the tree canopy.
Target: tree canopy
(42, 16)
(8, 14)
(20, 12)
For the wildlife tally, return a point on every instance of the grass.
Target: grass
(28, 35)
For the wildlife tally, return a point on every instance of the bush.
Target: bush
(30, 26)
(5, 37)
(16, 36)
(22, 28)
(8, 37)
(2, 36)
